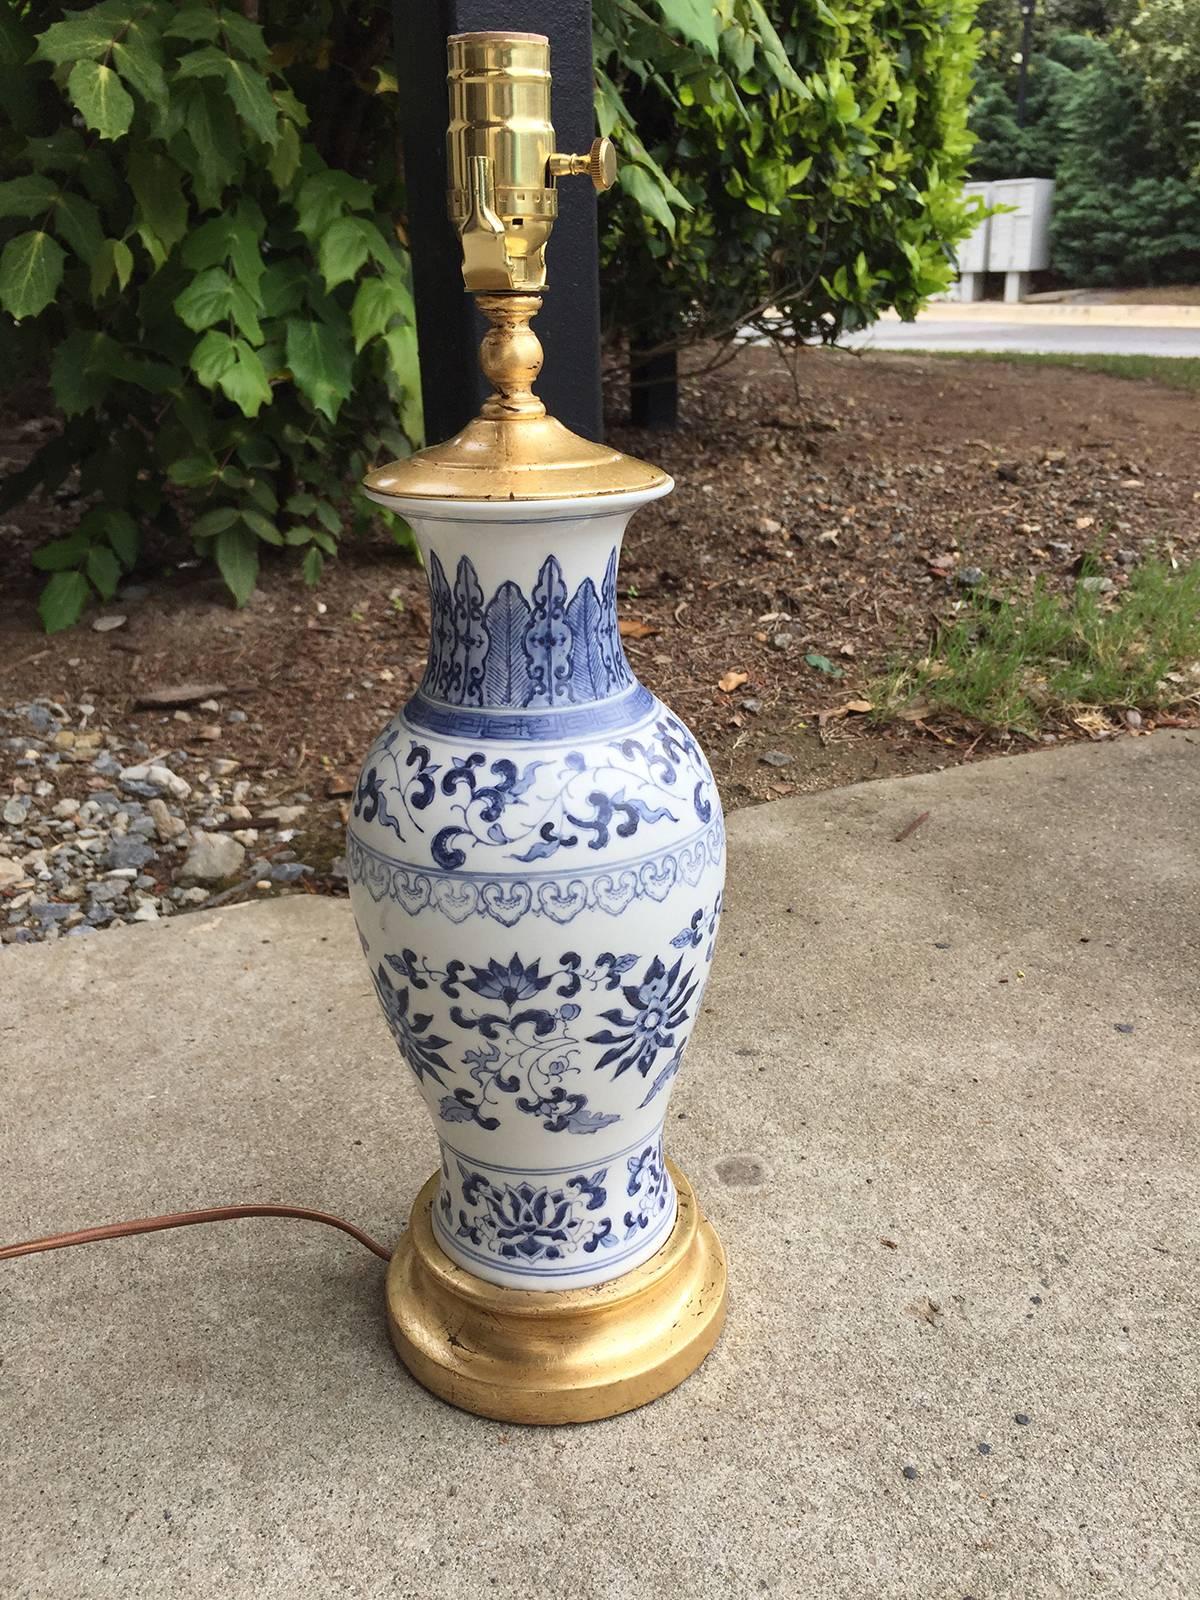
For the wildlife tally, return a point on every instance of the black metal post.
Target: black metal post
(653, 388)
(448, 327)
(1027, 7)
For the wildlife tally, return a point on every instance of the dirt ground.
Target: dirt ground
(833, 513)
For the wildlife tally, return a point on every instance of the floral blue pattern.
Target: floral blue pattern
(532, 783)
(528, 1221)
(649, 1187)
(522, 1219)
(522, 1033)
(654, 1011)
(417, 1045)
(546, 649)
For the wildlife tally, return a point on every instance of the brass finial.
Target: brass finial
(511, 355)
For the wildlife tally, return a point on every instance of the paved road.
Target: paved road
(1071, 338)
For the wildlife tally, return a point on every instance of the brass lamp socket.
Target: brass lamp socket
(502, 164)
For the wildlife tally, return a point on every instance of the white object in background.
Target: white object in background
(973, 252)
(1020, 236)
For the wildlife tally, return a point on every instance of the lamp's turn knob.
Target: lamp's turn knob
(600, 164)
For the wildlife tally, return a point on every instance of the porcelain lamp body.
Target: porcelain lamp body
(536, 856)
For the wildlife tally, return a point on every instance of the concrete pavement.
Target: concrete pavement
(1072, 328)
(943, 1107)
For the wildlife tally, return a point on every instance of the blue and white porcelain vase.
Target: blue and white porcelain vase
(536, 855)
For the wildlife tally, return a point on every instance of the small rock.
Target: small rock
(128, 853)
(1021, 1419)
(753, 705)
(225, 768)
(104, 894)
(38, 718)
(1133, 718)
(235, 716)
(768, 526)
(910, 1473)
(1127, 558)
(1097, 585)
(1123, 1027)
(282, 816)
(155, 778)
(289, 871)
(147, 912)
(213, 857)
(781, 641)
(166, 825)
(238, 813)
(776, 758)
(49, 912)
(969, 577)
(64, 739)
(17, 809)
(66, 808)
(10, 872)
(193, 897)
(107, 623)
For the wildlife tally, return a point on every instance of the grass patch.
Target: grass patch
(1012, 662)
(1175, 372)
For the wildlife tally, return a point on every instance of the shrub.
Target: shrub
(224, 316)
(783, 155)
(1126, 209)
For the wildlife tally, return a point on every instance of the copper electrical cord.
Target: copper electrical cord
(186, 1219)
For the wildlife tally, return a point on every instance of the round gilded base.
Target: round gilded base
(551, 1356)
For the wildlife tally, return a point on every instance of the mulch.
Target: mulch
(824, 517)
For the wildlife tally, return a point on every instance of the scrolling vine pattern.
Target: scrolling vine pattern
(532, 811)
(523, 652)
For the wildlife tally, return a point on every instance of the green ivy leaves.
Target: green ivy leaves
(234, 367)
(101, 99)
(31, 269)
(224, 317)
(321, 364)
(99, 551)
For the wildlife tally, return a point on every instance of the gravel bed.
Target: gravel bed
(98, 829)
